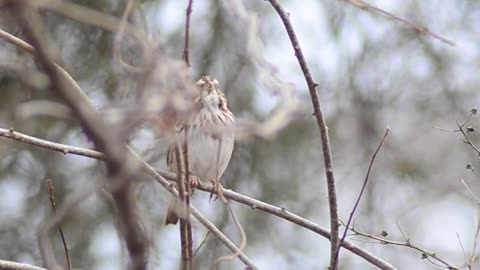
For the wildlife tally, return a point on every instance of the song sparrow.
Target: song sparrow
(209, 137)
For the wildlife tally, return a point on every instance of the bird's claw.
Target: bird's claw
(217, 188)
(194, 181)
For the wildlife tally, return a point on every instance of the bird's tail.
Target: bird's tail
(172, 213)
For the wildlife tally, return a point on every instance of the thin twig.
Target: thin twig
(70, 202)
(425, 253)
(367, 176)
(472, 113)
(186, 49)
(7, 265)
(467, 138)
(474, 197)
(243, 236)
(475, 241)
(51, 196)
(317, 111)
(471, 168)
(463, 249)
(16, 41)
(185, 225)
(84, 15)
(401, 231)
(118, 40)
(421, 29)
(201, 244)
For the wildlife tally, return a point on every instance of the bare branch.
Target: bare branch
(118, 40)
(243, 236)
(185, 227)
(473, 257)
(367, 176)
(317, 111)
(51, 196)
(185, 223)
(425, 254)
(229, 194)
(474, 197)
(16, 41)
(421, 29)
(7, 265)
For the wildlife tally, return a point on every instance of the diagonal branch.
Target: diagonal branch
(367, 176)
(317, 112)
(209, 225)
(229, 194)
(421, 29)
(51, 196)
(8, 265)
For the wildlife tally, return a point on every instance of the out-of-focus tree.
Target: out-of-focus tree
(372, 72)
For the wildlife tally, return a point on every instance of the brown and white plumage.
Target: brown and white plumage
(210, 138)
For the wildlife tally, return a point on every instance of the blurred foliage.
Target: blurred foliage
(372, 72)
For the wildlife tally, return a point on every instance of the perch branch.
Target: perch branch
(51, 197)
(419, 28)
(254, 204)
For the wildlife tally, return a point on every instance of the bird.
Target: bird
(209, 135)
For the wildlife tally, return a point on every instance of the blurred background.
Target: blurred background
(372, 73)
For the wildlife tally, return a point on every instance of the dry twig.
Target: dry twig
(317, 112)
(425, 254)
(51, 196)
(7, 265)
(367, 176)
(185, 222)
(419, 28)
